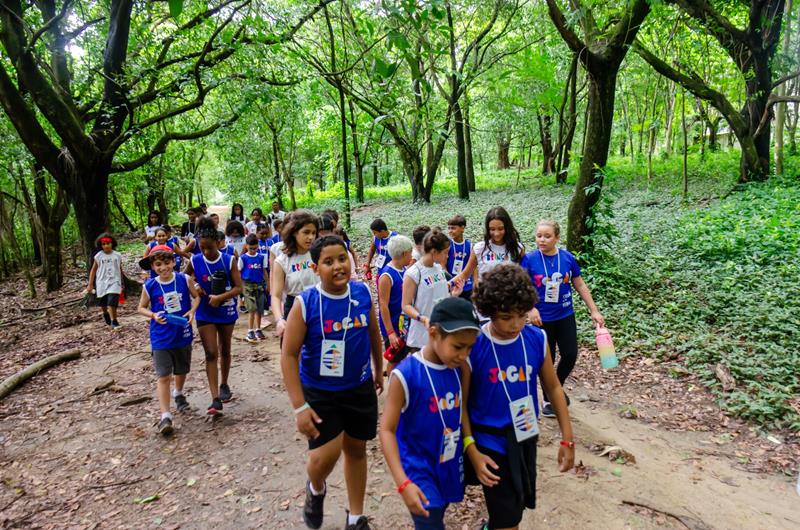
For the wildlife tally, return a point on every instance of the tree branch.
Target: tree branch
(161, 145)
(48, 25)
(570, 37)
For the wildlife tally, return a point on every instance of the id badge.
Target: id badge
(551, 290)
(172, 302)
(449, 444)
(331, 361)
(523, 416)
(458, 266)
(380, 260)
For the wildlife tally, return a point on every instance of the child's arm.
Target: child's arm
(189, 247)
(265, 270)
(290, 368)
(195, 299)
(375, 343)
(470, 269)
(355, 256)
(384, 292)
(481, 463)
(369, 255)
(277, 281)
(144, 309)
(92, 273)
(551, 385)
(413, 497)
(409, 293)
(586, 295)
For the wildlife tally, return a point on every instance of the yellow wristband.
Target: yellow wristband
(468, 440)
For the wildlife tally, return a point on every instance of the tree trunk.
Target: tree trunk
(685, 145)
(468, 146)
(602, 82)
(546, 139)
(503, 145)
(780, 111)
(461, 156)
(125, 218)
(755, 165)
(356, 154)
(90, 204)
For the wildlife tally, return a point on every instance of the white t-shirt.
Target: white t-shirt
(492, 257)
(280, 214)
(431, 287)
(298, 272)
(108, 277)
(276, 249)
(416, 255)
(236, 242)
(150, 231)
(251, 227)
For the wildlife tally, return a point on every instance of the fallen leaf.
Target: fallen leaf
(147, 500)
(191, 482)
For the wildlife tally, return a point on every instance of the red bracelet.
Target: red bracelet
(565, 443)
(403, 486)
(390, 334)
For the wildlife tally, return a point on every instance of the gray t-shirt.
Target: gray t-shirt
(108, 278)
(431, 287)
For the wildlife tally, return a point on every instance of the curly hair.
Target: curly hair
(298, 220)
(506, 288)
(206, 228)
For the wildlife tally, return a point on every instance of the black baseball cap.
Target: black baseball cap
(455, 314)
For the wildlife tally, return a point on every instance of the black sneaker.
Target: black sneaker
(361, 524)
(312, 509)
(260, 335)
(225, 393)
(115, 326)
(215, 407)
(107, 319)
(547, 410)
(181, 404)
(251, 337)
(165, 426)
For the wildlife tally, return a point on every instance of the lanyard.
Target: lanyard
(497, 361)
(349, 307)
(558, 266)
(436, 396)
(222, 257)
(174, 280)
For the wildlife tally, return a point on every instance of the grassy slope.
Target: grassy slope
(709, 280)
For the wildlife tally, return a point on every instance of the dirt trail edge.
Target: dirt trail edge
(72, 456)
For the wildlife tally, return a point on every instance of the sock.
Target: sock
(315, 492)
(352, 519)
(176, 393)
(166, 415)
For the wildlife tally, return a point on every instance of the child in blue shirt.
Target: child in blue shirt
(459, 253)
(253, 268)
(394, 324)
(421, 423)
(378, 248)
(501, 405)
(170, 293)
(331, 337)
(554, 272)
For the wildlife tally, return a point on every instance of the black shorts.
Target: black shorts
(354, 411)
(172, 361)
(201, 323)
(108, 300)
(503, 502)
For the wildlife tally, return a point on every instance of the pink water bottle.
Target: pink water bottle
(605, 345)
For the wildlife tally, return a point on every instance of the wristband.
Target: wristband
(418, 318)
(301, 408)
(565, 443)
(403, 486)
(468, 440)
(390, 333)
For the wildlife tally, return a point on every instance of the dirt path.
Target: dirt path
(74, 460)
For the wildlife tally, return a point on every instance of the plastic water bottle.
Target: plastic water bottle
(605, 345)
(175, 320)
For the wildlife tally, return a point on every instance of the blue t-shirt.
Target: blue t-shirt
(276, 238)
(264, 244)
(226, 313)
(382, 250)
(334, 321)
(395, 301)
(228, 250)
(420, 431)
(168, 336)
(253, 267)
(562, 268)
(460, 252)
(488, 403)
(196, 248)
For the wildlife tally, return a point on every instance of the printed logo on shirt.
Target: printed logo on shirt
(254, 266)
(297, 267)
(512, 374)
(449, 401)
(459, 255)
(360, 321)
(491, 256)
(537, 279)
(434, 278)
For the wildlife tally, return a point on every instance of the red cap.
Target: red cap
(160, 248)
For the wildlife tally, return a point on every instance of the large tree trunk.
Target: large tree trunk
(468, 146)
(755, 166)
(461, 155)
(595, 155)
(503, 146)
(546, 139)
(90, 204)
(780, 111)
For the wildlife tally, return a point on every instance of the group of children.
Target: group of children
(467, 330)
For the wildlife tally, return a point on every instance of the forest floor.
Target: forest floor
(654, 449)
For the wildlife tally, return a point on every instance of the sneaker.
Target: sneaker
(251, 336)
(225, 393)
(165, 426)
(361, 524)
(215, 407)
(181, 404)
(547, 410)
(243, 309)
(115, 326)
(107, 318)
(312, 509)
(260, 335)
